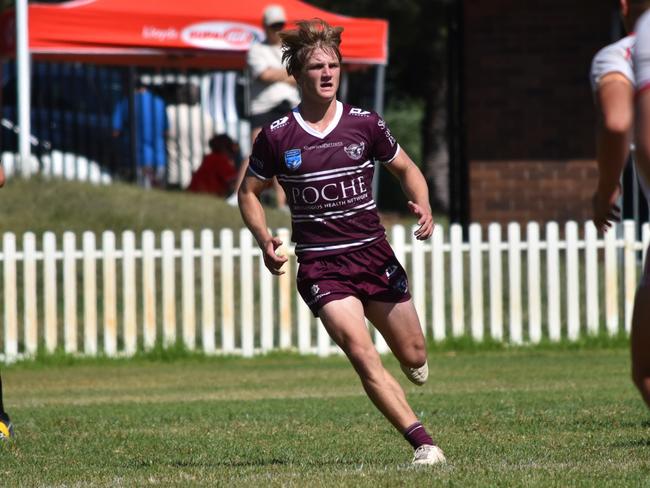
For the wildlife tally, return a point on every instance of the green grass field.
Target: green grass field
(504, 418)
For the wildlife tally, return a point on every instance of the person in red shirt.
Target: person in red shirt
(217, 173)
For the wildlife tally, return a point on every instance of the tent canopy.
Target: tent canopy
(189, 33)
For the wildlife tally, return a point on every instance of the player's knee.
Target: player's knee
(415, 355)
(364, 359)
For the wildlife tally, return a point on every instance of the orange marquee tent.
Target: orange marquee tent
(205, 33)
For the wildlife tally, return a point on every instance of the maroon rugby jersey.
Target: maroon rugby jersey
(327, 177)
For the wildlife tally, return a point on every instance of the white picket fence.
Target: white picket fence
(220, 299)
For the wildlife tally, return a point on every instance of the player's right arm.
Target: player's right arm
(612, 82)
(254, 217)
(614, 99)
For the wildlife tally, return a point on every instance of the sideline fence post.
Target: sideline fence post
(514, 283)
(149, 289)
(129, 294)
(476, 280)
(496, 282)
(591, 278)
(50, 298)
(267, 312)
(457, 281)
(227, 283)
(438, 305)
(611, 282)
(629, 261)
(572, 281)
(188, 296)
(10, 296)
(30, 300)
(69, 292)
(418, 286)
(110, 294)
(207, 292)
(167, 245)
(323, 339)
(534, 284)
(90, 293)
(304, 326)
(553, 280)
(246, 290)
(284, 291)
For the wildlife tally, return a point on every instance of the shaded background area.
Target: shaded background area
(492, 100)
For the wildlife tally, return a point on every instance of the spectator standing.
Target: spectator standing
(187, 138)
(273, 91)
(217, 173)
(150, 128)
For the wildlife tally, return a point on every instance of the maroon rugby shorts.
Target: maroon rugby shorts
(371, 273)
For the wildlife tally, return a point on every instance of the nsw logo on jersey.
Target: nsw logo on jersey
(355, 151)
(293, 159)
(279, 123)
(359, 112)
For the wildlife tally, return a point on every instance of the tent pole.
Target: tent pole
(23, 87)
(380, 76)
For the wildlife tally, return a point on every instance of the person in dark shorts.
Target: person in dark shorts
(6, 427)
(323, 153)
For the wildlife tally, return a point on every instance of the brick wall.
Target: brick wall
(529, 113)
(523, 191)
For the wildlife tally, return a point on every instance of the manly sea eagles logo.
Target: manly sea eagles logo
(293, 159)
(314, 290)
(355, 151)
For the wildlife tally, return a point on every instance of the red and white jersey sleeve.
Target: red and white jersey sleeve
(613, 58)
(642, 53)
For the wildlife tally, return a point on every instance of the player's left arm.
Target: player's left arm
(415, 188)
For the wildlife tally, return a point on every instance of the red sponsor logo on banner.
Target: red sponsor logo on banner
(221, 35)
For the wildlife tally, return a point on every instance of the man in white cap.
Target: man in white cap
(273, 91)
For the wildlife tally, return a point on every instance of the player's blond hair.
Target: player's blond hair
(298, 44)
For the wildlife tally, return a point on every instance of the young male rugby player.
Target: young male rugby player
(6, 428)
(322, 153)
(617, 71)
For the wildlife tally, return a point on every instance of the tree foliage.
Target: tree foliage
(417, 40)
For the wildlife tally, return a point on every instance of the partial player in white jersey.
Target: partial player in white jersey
(612, 83)
(641, 317)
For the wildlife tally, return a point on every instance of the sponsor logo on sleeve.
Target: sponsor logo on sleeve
(293, 159)
(279, 123)
(257, 163)
(389, 136)
(381, 123)
(355, 151)
(359, 112)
